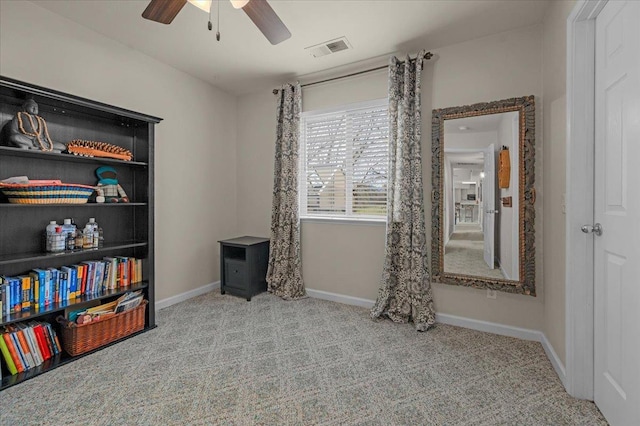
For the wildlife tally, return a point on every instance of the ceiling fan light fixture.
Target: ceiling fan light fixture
(201, 4)
(239, 4)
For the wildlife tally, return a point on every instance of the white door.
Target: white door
(617, 208)
(489, 205)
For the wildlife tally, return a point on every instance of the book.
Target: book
(16, 295)
(77, 274)
(3, 297)
(41, 326)
(90, 277)
(99, 271)
(43, 278)
(29, 338)
(69, 287)
(35, 289)
(8, 358)
(6, 296)
(112, 265)
(42, 343)
(124, 262)
(51, 335)
(22, 347)
(13, 350)
(54, 285)
(84, 279)
(25, 292)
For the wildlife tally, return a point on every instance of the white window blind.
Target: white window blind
(344, 156)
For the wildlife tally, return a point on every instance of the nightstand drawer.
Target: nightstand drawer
(235, 272)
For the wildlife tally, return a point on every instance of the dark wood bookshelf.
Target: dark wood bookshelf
(128, 228)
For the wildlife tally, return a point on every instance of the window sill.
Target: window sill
(345, 220)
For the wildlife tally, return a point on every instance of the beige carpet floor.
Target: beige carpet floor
(221, 360)
(464, 253)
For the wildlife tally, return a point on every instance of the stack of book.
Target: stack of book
(41, 288)
(26, 346)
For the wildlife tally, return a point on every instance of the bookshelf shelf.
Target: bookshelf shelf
(53, 156)
(128, 228)
(33, 313)
(86, 205)
(38, 256)
(57, 361)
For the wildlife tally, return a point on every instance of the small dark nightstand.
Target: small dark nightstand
(243, 266)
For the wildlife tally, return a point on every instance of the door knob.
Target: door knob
(596, 229)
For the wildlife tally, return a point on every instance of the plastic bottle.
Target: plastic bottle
(58, 240)
(69, 231)
(51, 233)
(87, 234)
(91, 235)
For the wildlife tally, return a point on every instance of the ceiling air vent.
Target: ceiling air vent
(329, 47)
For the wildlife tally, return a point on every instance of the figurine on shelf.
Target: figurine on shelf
(108, 188)
(28, 130)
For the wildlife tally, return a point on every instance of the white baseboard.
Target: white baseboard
(486, 326)
(160, 304)
(555, 361)
(340, 298)
(489, 327)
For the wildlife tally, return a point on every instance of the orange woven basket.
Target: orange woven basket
(80, 338)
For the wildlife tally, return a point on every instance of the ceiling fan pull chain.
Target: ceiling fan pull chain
(209, 25)
(218, 31)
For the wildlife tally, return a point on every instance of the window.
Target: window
(344, 159)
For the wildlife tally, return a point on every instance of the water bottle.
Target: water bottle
(51, 233)
(87, 234)
(69, 231)
(91, 235)
(58, 240)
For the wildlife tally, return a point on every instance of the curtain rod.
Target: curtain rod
(427, 56)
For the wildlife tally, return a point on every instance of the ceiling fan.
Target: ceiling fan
(259, 12)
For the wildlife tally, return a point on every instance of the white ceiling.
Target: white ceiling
(244, 61)
(481, 123)
(467, 158)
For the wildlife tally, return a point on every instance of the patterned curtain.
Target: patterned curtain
(284, 276)
(405, 294)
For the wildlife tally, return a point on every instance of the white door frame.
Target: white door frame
(579, 197)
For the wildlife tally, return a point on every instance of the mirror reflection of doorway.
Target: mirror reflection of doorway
(466, 246)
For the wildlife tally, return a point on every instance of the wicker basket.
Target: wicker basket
(51, 193)
(78, 339)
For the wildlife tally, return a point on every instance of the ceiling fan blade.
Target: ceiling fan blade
(267, 21)
(163, 11)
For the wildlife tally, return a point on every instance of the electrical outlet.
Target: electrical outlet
(491, 294)
(564, 203)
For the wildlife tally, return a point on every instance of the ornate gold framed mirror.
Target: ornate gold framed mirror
(483, 195)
